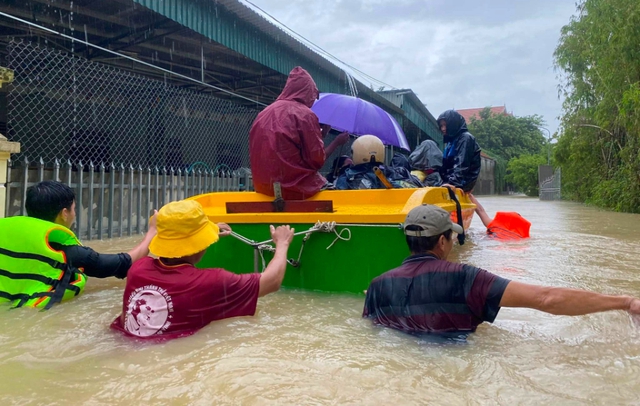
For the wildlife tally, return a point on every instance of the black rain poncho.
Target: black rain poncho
(461, 158)
(427, 158)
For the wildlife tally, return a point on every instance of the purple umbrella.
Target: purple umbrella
(359, 117)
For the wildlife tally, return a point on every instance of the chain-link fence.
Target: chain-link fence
(69, 108)
(125, 143)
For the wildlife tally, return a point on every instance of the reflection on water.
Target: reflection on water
(311, 348)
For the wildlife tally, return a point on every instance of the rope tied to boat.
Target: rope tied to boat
(324, 227)
(330, 227)
(266, 247)
(320, 226)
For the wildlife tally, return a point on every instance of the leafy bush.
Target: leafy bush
(523, 173)
(599, 60)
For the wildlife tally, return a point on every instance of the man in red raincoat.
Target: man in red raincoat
(285, 142)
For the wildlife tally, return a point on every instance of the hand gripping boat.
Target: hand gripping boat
(343, 238)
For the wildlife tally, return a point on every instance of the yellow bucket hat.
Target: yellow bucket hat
(183, 230)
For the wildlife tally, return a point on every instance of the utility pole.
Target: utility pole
(548, 144)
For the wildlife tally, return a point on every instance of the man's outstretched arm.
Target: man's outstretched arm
(563, 301)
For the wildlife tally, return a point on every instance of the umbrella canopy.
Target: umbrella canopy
(359, 117)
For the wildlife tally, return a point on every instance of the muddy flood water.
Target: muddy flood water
(310, 348)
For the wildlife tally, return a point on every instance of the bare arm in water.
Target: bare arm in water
(563, 301)
(486, 220)
(271, 278)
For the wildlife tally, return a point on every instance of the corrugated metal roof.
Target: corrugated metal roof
(396, 97)
(260, 22)
(415, 111)
(238, 27)
(247, 14)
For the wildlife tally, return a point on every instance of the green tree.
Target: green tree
(507, 135)
(523, 173)
(598, 58)
(504, 137)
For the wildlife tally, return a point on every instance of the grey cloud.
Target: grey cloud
(458, 54)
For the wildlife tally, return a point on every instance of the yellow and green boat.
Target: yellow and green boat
(344, 238)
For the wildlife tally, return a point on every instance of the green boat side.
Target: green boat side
(368, 221)
(327, 262)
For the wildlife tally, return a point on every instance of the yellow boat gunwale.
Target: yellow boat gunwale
(372, 206)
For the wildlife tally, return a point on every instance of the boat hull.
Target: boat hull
(344, 259)
(343, 266)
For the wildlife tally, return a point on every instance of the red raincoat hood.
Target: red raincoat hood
(300, 87)
(285, 142)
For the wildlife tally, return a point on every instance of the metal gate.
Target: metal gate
(113, 201)
(550, 182)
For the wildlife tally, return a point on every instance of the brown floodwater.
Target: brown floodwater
(310, 348)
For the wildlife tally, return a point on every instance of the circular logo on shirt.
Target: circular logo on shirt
(148, 311)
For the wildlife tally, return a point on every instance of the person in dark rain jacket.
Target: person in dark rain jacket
(461, 157)
(425, 162)
(285, 142)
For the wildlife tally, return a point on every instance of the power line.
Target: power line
(317, 48)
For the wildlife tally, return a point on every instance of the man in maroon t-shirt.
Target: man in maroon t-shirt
(427, 293)
(169, 297)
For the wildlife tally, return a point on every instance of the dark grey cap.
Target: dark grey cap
(433, 220)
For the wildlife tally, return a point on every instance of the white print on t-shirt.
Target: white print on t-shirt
(149, 311)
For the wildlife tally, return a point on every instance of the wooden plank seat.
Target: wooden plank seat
(284, 206)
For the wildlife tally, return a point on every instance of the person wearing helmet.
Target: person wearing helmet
(367, 149)
(367, 153)
(461, 157)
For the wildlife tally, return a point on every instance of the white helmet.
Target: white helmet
(367, 148)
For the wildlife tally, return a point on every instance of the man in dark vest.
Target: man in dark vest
(428, 294)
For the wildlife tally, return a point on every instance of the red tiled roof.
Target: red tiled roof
(468, 113)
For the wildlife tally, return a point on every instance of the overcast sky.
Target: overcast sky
(453, 54)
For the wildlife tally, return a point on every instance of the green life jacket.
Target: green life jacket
(32, 273)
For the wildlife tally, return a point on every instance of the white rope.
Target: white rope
(340, 237)
(266, 247)
(327, 226)
(261, 248)
(324, 226)
(242, 238)
(321, 226)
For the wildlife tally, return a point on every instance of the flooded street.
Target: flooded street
(312, 348)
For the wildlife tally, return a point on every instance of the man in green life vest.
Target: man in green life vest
(41, 260)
